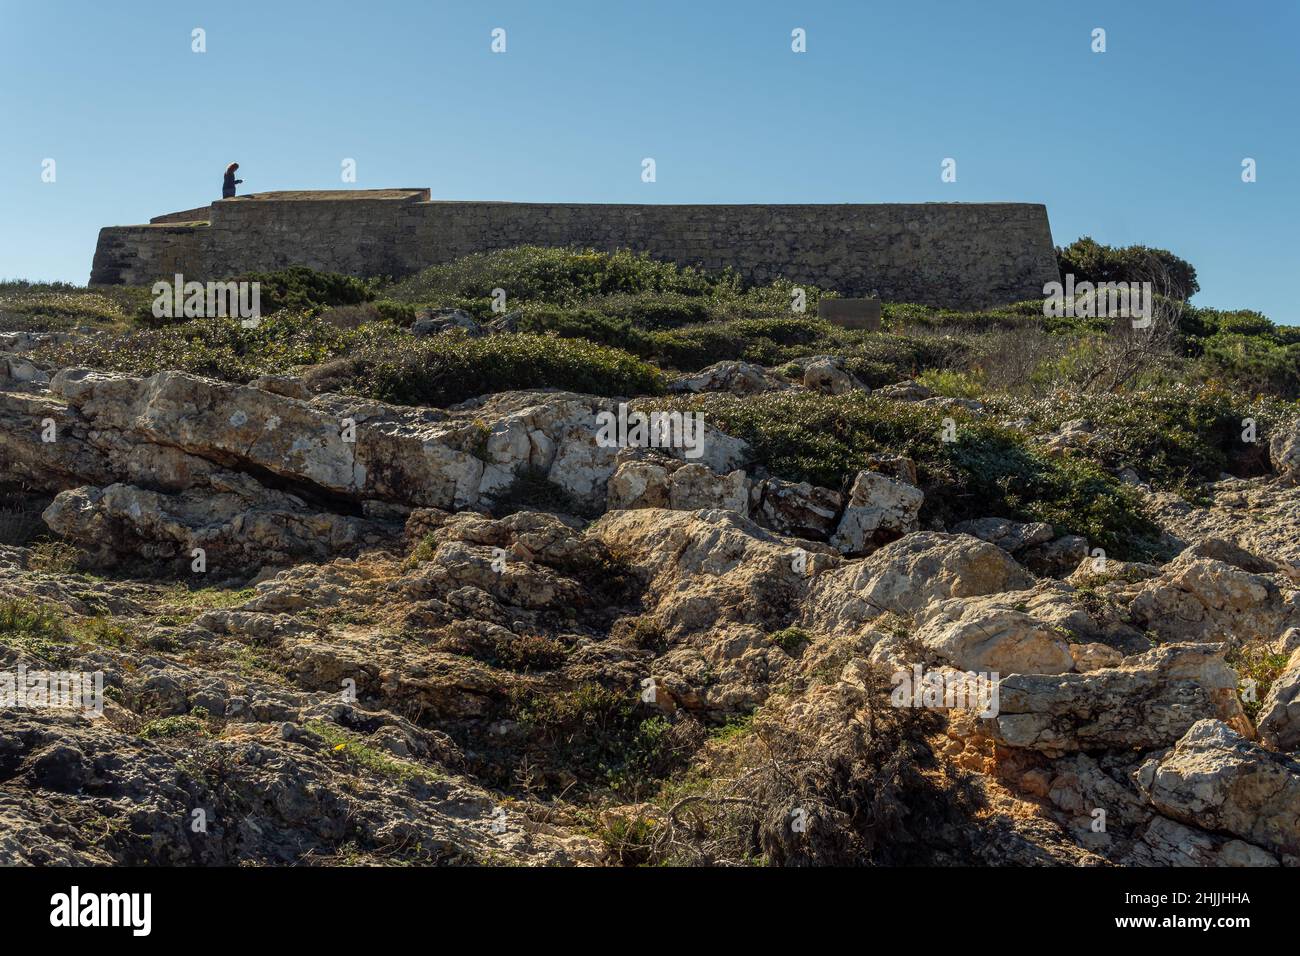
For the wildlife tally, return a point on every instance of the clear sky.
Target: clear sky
(1140, 144)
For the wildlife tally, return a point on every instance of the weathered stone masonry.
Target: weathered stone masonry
(959, 255)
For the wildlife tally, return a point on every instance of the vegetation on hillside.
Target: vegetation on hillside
(1172, 405)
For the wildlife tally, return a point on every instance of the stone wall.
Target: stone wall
(950, 254)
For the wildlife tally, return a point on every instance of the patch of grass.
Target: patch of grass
(516, 652)
(296, 288)
(37, 629)
(103, 631)
(347, 745)
(178, 725)
(629, 838)
(250, 660)
(644, 633)
(952, 384)
(733, 728)
(791, 639)
(422, 552)
(601, 734)
(533, 652)
(58, 306)
(1261, 665)
(192, 599)
(54, 557)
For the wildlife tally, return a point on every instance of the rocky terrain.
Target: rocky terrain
(339, 622)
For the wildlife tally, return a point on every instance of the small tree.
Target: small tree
(1090, 261)
(1137, 345)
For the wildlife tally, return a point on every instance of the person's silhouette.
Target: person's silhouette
(229, 183)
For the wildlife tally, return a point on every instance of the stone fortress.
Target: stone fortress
(956, 255)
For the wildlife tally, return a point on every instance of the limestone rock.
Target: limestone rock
(435, 321)
(802, 510)
(717, 584)
(739, 378)
(1010, 536)
(1094, 657)
(638, 484)
(825, 375)
(1058, 557)
(992, 634)
(695, 486)
(1284, 452)
(17, 371)
(1215, 779)
(879, 509)
(1201, 599)
(905, 392)
(907, 576)
(239, 529)
(1071, 435)
(712, 566)
(286, 385)
(1279, 715)
(1149, 701)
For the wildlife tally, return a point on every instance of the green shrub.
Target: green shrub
(1178, 436)
(1090, 261)
(559, 276)
(953, 384)
(988, 470)
(352, 748)
(445, 369)
(586, 324)
(791, 639)
(654, 310)
(902, 315)
(398, 313)
(53, 306)
(180, 725)
(602, 734)
(217, 348)
(304, 289)
(1254, 364)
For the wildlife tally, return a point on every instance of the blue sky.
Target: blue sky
(1140, 144)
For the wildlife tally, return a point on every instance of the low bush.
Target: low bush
(445, 369)
(653, 311)
(558, 276)
(217, 348)
(987, 470)
(1178, 436)
(1254, 364)
(303, 289)
(56, 306)
(1091, 261)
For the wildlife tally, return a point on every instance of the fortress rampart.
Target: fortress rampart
(959, 255)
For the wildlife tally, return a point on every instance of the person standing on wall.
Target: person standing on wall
(229, 183)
